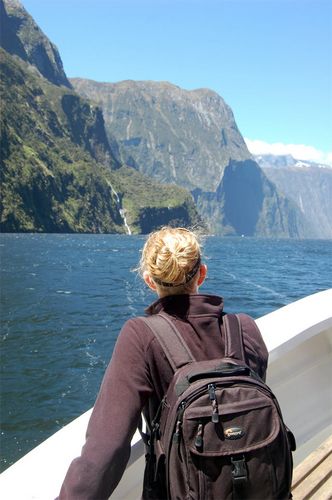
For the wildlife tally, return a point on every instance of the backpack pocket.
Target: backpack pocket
(241, 427)
(235, 434)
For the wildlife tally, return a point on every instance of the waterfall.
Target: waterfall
(123, 215)
(121, 210)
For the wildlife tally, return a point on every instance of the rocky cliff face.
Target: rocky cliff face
(309, 186)
(247, 203)
(50, 182)
(174, 135)
(190, 138)
(20, 36)
(143, 200)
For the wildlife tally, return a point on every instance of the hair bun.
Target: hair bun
(170, 256)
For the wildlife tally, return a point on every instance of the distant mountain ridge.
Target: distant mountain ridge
(246, 203)
(284, 161)
(309, 186)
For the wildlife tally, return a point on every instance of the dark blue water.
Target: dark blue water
(65, 297)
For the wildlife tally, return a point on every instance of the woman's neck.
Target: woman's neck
(176, 291)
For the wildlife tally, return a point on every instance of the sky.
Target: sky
(271, 60)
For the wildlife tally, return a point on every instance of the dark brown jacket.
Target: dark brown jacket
(137, 378)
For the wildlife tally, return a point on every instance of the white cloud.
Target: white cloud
(298, 151)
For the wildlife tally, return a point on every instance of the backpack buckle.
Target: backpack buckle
(239, 470)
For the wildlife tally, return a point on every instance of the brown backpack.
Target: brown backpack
(219, 432)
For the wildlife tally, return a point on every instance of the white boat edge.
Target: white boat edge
(299, 340)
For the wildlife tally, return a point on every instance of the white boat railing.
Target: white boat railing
(299, 339)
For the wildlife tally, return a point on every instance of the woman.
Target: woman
(139, 373)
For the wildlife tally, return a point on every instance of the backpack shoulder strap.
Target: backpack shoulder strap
(233, 337)
(170, 339)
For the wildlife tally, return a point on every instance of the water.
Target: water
(65, 297)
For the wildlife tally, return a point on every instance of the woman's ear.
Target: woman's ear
(149, 281)
(202, 274)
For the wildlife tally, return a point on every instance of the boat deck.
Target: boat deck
(312, 478)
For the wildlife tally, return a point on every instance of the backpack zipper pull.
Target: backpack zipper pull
(177, 433)
(213, 399)
(199, 437)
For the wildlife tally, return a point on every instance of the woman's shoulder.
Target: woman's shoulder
(136, 331)
(247, 320)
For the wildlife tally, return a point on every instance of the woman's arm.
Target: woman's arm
(124, 391)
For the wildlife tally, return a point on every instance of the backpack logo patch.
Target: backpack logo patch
(234, 433)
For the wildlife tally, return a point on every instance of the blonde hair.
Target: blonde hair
(171, 256)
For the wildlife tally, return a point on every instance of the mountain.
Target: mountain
(191, 138)
(308, 185)
(148, 204)
(283, 161)
(59, 172)
(247, 203)
(21, 37)
(50, 146)
(82, 156)
(175, 135)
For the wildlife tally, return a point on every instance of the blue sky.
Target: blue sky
(271, 60)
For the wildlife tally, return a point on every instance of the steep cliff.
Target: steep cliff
(20, 36)
(143, 200)
(191, 138)
(58, 168)
(49, 181)
(247, 203)
(174, 135)
(308, 185)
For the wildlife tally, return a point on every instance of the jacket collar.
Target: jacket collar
(183, 306)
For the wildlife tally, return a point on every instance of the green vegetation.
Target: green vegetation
(21, 36)
(49, 182)
(57, 170)
(144, 197)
